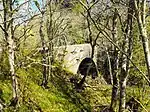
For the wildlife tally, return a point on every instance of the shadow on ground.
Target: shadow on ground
(60, 80)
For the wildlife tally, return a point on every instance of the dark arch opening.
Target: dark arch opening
(88, 67)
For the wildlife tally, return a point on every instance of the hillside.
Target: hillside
(60, 96)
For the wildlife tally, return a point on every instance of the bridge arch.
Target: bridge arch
(88, 67)
(73, 56)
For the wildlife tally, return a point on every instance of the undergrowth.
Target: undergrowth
(61, 95)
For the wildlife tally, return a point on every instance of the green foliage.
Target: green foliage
(135, 78)
(4, 66)
(5, 87)
(78, 8)
(59, 97)
(76, 30)
(33, 97)
(141, 94)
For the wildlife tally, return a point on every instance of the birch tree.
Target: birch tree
(93, 35)
(115, 62)
(11, 20)
(43, 43)
(54, 24)
(140, 9)
(92, 39)
(9, 37)
(125, 60)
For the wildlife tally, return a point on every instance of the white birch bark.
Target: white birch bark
(11, 54)
(140, 16)
(115, 64)
(44, 59)
(127, 48)
(8, 29)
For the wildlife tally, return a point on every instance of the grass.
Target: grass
(61, 95)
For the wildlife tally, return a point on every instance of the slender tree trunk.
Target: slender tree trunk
(92, 41)
(80, 85)
(115, 64)
(44, 58)
(140, 16)
(90, 35)
(127, 48)
(93, 49)
(11, 48)
(49, 30)
(11, 54)
(110, 66)
(82, 82)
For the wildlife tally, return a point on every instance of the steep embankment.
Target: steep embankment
(59, 97)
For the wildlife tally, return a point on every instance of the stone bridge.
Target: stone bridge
(73, 55)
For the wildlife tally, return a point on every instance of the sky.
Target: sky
(34, 8)
(26, 12)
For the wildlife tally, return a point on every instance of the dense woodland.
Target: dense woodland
(33, 80)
